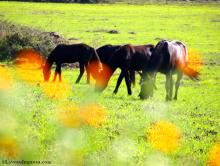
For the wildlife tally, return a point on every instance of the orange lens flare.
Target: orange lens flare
(95, 68)
(194, 60)
(56, 90)
(8, 147)
(29, 76)
(29, 59)
(69, 116)
(214, 156)
(5, 79)
(94, 115)
(164, 136)
(193, 64)
(29, 65)
(104, 76)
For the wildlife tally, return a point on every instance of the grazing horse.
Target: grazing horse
(169, 57)
(82, 53)
(106, 52)
(127, 58)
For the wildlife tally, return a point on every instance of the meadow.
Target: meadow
(77, 126)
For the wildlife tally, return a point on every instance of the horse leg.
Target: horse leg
(132, 77)
(88, 73)
(120, 78)
(57, 71)
(55, 76)
(81, 66)
(171, 87)
(128, 82)
(168, 86)
(179, 77)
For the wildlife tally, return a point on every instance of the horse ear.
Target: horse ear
(141, 74)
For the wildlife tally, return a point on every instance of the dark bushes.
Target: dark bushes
(13, 38)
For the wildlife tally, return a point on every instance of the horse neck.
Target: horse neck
(48, 64)
(94, 56)
(107, 72)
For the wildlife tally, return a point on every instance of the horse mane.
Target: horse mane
(94, 56)
(156, 59)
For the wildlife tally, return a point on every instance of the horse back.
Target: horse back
(70, 53)
(131, 57)
(106, 52)
(141, 56)
(178, 53)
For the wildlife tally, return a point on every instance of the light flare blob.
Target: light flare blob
(93, 115)
(56, 90)
(69, 116)
(157, 159)
(103, 77)
(164, 136)
(214, 155)
(194, 59)
(5, 79)
(29, 65)
(124, 148)
(9, 147)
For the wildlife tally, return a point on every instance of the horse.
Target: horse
(106, 52)
(169, 58)
(82, 53)
(127, 58)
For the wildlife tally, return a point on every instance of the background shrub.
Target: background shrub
(13, 38)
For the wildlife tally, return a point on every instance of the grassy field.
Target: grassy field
(79, 127)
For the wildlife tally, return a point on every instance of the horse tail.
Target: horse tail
(190, 72)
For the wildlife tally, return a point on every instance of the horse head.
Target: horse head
(103, 78)
(46, 71)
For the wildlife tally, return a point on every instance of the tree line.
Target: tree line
(64, 1)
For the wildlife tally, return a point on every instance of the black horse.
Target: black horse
(105, 54)
(82, 53)
(169, 57)
(127, 58)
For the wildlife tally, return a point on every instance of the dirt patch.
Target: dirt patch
(112, 31)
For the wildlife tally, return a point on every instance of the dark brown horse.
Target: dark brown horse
(105, 54)
(82, 53)
(127, 58)
(169, 57)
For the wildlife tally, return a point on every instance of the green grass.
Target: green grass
(31, 115)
